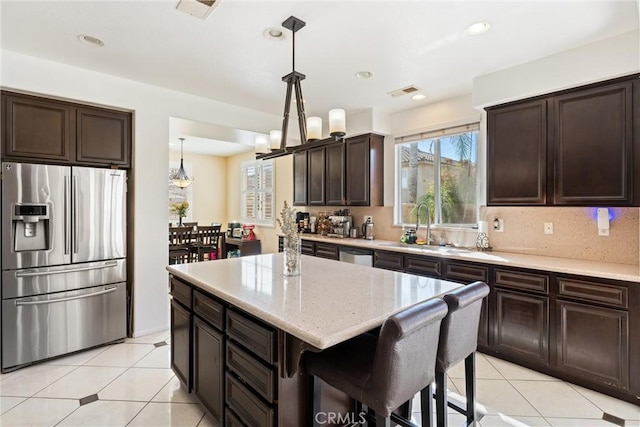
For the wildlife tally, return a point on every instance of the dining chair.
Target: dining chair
(208, 240)
(190, 224)
(179, 244)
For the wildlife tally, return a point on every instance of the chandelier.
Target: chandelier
(180, 179)
(311, 128)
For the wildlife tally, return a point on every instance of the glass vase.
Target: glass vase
(292, 251)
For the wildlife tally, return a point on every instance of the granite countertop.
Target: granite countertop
(605, 270)
(328, 303)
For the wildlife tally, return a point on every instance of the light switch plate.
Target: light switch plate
(500, 227)
(367, 217)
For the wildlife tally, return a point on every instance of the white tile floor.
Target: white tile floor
(136, 387)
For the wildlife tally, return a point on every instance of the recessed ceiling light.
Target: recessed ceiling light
(477, 28)
(273, 34)
(418, 97)
(90, 40)
(364, 74)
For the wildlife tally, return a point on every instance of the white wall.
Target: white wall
(152, 108)
(609, 58)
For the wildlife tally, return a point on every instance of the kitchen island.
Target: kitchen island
(239, 328)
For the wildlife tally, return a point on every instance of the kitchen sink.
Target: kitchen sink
(426, 248)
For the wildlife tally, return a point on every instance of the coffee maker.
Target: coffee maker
(340, 225)
(302, 219)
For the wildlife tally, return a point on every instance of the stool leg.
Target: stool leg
(383, 421)
(470, 384)
(313, 396)
(426, 407)
(441, 399)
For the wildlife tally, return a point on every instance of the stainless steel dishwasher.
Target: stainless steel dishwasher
(356, 256)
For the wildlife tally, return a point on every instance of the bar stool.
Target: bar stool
(383, 372)
(458, 342)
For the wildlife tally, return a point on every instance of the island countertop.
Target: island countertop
(330, 301)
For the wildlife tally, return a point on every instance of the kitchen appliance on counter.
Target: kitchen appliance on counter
(247, 232)
(367, 230)
(234, 229)
(63, 260)
(340, 225)
(303, 221)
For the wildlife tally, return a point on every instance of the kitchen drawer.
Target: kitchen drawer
(251, 371)
(254, 336)
(388, 260)
(466, 273)
(181, 292)
(308, 247)
(231, 420)
(424, 266)
(327, 250)
(604, 293)
(209, 309)
(250, 409)
(522, 281)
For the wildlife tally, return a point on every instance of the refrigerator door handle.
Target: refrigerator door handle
(29, 301)
(107, 264)
(67, 232)
(75, 214)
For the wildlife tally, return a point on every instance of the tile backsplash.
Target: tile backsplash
(575, 233)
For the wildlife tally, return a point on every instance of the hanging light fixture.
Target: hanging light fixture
(180, 179)
(278, 143)
(293, 80)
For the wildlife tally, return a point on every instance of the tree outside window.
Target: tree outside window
(441, 172)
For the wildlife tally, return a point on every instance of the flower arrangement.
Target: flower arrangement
(180, 209)
(289, 228)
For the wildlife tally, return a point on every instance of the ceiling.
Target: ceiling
(227, 58)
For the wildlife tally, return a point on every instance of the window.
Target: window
(439, 169)
(178, 195)
(258, 196)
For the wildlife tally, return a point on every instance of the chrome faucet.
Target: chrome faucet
(420, 206)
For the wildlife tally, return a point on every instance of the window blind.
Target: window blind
(257, 188)
(439, 133)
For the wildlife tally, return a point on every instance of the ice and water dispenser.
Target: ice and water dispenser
(30, 223)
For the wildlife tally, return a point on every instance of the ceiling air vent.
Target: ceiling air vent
(403, 91)
(198, 8)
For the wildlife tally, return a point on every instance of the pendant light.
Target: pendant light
(180, 179)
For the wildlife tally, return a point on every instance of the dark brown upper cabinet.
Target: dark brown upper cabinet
(37, 128)
(103, 137)
(41, 129)
(348, 172)
(300, 178)
(335, 176)
(578, 147)
(517, 154)
(316, 177)
(593, 150)
(364, 170)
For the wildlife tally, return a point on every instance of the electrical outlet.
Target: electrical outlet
(367, 218)
(498, 225)
(548, 228)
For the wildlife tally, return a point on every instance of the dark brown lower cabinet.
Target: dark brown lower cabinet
(181, 342)
(208, 367)
(388, 260)
(593, 342)
(327, 250)
(522, 325)
(467, 273)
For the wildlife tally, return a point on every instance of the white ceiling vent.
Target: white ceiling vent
(403, 91)
(198, 8)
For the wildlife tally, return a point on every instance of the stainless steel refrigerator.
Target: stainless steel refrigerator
(63, 260)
